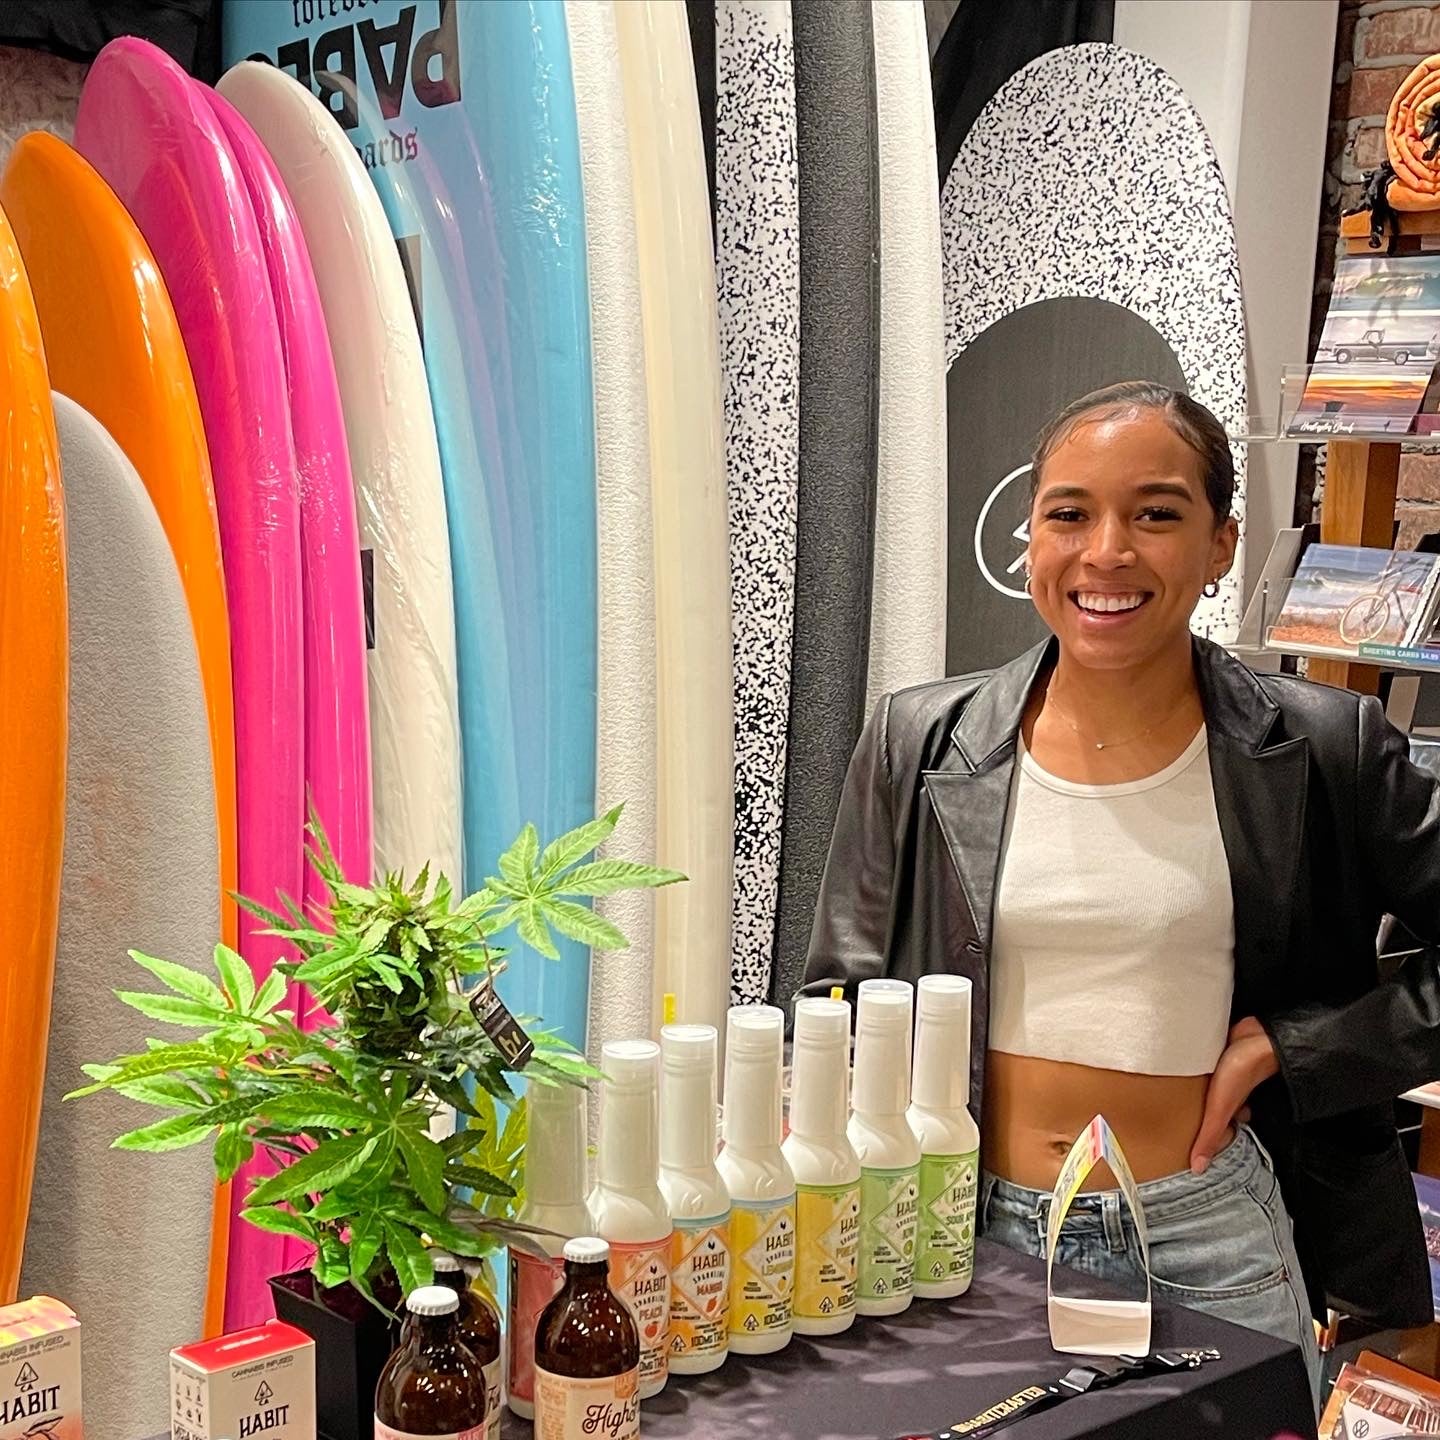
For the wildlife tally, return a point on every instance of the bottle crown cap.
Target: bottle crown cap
(432, 1300)
(822, 1022)
(443, 1262)
(943, 996)
(628, 1063)
(755, 1030)
(587, 1249)
(688, 1047)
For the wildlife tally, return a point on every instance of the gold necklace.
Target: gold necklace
(1113, 744)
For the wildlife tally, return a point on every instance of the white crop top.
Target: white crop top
(1114, 937)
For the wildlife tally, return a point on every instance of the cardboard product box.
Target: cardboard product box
(253, 1385)
(40, 1371)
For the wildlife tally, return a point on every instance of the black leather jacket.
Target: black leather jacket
(1327, 826)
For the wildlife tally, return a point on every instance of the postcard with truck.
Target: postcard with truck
(1378, 349)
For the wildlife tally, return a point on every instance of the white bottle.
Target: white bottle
(554, 1200)
(949, 1138)
(827, 1170)
(626, 1206)
(697, 1199)
(889, 1153)
(761, 1186)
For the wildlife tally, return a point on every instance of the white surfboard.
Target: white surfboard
(141, 853)
(390, 430)
(621, 982)
(757, 225)
(907, 614)
(695, 831)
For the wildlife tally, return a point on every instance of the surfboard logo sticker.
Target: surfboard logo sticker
(1000, 546)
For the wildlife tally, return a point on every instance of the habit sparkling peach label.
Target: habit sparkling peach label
(699, 1286)
(640, 1278)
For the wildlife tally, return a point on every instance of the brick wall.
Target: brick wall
(1377, 43)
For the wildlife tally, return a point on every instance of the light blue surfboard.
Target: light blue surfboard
(464, 115)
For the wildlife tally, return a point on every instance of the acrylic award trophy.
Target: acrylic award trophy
(1096, 1327)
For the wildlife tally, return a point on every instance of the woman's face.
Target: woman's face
(1123, 540)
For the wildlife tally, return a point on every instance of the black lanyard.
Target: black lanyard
(1097, 1373)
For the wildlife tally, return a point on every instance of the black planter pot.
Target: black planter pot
(353, 1341)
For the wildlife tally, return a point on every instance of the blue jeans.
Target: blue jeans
(1220, 1242)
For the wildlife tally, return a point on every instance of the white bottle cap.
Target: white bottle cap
(882, 1047)
(942, 1043)
(818, 1100)
(555, 1145)
(754, 1047)
(444, 1262)
(587, 1250)
(687, 1096)
(432, 1300)
(629, 1148)
(629, 1064)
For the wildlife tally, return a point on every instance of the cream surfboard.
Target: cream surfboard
(621, 982)
(695, 831)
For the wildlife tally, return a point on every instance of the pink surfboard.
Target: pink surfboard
(337, 724)
(337, 716)
(153, 137)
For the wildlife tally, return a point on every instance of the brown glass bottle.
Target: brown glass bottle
(587, 1354)
(432, 1386)
(479, 1327)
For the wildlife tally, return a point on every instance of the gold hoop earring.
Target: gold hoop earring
(1211, 590)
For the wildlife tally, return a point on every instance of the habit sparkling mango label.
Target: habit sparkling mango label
(945, 1240)
(889, 1203)
(699, 1286)
(827, 1223)
(762, 1286)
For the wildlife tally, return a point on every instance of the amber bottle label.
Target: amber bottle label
(384, 1432)
(569, 1409)
(827, 1221)
(640, 1278)
(762, 1240)
(492, 1399)
(699, 1286)
(534, 1283)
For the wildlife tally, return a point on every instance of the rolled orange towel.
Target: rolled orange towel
(1412, 139)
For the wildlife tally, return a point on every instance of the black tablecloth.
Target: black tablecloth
(948, 1360)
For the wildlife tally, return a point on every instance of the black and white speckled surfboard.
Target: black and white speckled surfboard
(839, 340)
(1088, 178)
(758, 283)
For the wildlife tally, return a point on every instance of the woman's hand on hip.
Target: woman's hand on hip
(1248, 1059)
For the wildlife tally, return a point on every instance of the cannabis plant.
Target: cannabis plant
(345, 1113)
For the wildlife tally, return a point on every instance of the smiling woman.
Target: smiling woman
(1163, 875)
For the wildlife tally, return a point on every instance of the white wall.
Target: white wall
(1260, 74)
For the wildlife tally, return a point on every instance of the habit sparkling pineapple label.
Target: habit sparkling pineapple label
(827, 1264)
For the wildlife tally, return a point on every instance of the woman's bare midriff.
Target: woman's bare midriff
(1034, 1109)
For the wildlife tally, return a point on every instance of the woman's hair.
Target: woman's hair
(1188, 418)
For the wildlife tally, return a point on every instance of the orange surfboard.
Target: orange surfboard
(34, 678)
(114, 347)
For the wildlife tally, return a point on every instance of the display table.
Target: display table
(949, 1360)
